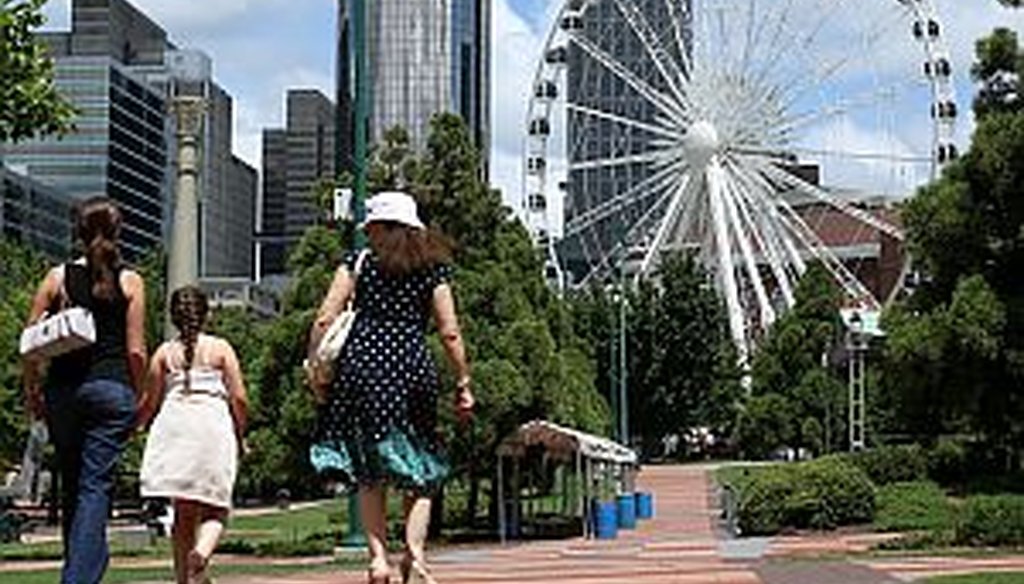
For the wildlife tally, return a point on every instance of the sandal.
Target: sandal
(197, 565)
(378, 573)
(415, 572)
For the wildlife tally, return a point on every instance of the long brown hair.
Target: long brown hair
(402, 249)
(98, 228)
(188, 313)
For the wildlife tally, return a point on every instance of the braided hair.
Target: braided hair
(188, 313)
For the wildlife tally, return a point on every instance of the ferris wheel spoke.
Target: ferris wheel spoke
(731, 193)
(639, 192)
(680, 24)
(762, 199)
(873, 97)
(726, 267)
(775, 155)
(760, 232)
(604, 263)
(654, 156)
(820, 75)
(654, 96)
(683, 198)
(663, 62)
(777, 174)
(622, 120)
(810, 240)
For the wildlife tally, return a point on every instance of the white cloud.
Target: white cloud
(264, 107)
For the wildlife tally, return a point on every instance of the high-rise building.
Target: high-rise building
(295, 159)
(120, 71)
(119, 147)
(596, 88)
(35, 214)
(425, 58)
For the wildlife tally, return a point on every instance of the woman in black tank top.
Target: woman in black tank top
(88, 396)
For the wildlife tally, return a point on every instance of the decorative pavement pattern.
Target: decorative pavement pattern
(681, 545)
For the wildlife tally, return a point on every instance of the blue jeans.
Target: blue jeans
(90, 425)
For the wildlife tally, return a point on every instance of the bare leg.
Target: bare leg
(186, 516)
(417, 523)
(374, 515)
(210, 530)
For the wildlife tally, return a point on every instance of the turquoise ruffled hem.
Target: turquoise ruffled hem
(399, 459)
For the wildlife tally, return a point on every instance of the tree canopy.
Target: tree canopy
(30, 105)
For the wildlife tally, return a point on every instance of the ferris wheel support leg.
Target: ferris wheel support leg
(714, 176)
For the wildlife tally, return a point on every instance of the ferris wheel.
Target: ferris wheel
(712, 125)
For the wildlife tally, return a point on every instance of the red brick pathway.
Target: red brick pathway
(677, 547)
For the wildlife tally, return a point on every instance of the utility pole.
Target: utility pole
(355, 536)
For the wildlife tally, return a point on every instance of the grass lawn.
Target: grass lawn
(291, 524)
(989, 578)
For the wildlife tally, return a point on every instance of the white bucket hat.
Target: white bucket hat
(393, 206)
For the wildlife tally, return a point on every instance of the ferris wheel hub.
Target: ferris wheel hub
(702, 141)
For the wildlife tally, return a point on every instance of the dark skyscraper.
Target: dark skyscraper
(120, 71)
(295, 159)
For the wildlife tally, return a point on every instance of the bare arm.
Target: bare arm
(238, 400)
(153, 389)
(451, 337)
(135, 330)
(451, 334)
(32, 368)
(337, 296)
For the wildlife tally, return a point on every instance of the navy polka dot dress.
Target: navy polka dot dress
(379, 423)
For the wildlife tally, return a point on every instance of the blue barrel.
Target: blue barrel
(644, 505)
(606, 521)
(627, 511)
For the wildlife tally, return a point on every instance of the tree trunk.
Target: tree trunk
(473, 500)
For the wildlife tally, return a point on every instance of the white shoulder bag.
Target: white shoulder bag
(67, 330)
(320, 367)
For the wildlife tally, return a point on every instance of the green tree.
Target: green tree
(29, 103)
(955, 356)
(22, 271)
(790, 365)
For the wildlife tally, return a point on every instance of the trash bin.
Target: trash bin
(627, 511)
(644, 506)
(606, 520)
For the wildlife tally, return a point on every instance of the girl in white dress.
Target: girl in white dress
(196, 392)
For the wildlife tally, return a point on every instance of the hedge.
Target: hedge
(892, 464)
(914, 506)
(821, 494)
(992, 520)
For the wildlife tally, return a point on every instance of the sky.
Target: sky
(261, 48)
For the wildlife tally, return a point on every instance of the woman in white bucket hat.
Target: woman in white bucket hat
(379, 414)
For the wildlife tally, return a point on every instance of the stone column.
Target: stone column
(183, 258)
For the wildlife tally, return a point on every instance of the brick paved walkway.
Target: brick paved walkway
(678, 547)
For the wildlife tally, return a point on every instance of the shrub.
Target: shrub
(762, 501)
(993, 520)
(915, 506)
(892, 464)
(821, 494)
(947, 462)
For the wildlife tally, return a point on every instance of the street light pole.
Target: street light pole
(355, 537)
(856, 347)
(623, 363)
